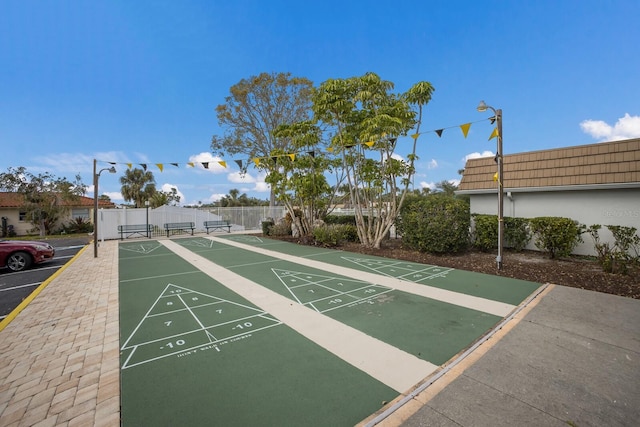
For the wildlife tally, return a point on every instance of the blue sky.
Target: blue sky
(138, 81)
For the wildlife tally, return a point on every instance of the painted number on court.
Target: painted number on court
(172, 344)
(243, 325)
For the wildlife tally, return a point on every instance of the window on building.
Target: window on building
(80, 213)
(22, 216)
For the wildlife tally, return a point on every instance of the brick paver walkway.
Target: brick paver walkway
(59, 358)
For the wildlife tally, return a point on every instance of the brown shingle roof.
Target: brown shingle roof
(607, 163)
(16, 200)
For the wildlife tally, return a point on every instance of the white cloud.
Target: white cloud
(142, 157)
(258, 181)
(262, 187)
(216, 197)
(432, 164)
(241, 178)
(114, 195)
(167, 188)
(626, 127)
(213, 162)
(477, 155)
(433, 186)
(430, 185)
(68, 163)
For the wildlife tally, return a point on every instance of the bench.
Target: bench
(217, 225)
(130, 229)
(179, 226)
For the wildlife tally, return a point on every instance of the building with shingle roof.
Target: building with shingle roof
(592, 184)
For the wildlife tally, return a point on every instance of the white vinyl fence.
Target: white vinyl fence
(240, 218)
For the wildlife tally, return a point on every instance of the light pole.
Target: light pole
(498, 115)
(146, 203)
(96, 176)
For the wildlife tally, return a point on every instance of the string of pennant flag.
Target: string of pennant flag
(243, 163)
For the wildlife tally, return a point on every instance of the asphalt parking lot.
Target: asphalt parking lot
(15, 287)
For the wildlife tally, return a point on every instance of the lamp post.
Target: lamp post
(96, 176)
(146, 203)
(498, 116)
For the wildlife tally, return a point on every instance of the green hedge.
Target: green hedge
(623, 255)
(437, 224)
(77, 226)
(266, 227)
(334, 234)
(556, 236)
(340, 219)
(485, 236)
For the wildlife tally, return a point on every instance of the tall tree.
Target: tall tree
(447, 188)
(46, 197)
(252, 112)
(368, 118)
(161, 198)
(300, 181)
(235, 199)
(137, 186)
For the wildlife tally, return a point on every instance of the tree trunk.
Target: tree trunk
(43, 230)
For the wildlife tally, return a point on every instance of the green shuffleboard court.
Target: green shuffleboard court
(247, 331)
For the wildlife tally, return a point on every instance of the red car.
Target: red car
(17, 255)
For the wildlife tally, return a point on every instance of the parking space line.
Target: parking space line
(7, 319)
(20, 286)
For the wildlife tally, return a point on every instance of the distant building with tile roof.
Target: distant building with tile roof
(593, 184)
(11, 205)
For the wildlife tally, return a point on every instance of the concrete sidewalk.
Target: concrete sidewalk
(571, 358)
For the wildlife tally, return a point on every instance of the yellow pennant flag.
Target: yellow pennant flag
(160, 166)
(330, 149)
(256, 161)
(369, 144)
(223, 163)
(191, 164)
(415, 135)
(495, 177)
(129, 165)
(292, 156)
(465, 129)
(493, 134)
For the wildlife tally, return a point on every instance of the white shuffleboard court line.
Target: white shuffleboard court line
(484, 305)
(388, 364)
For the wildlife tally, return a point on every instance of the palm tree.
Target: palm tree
(137, 186)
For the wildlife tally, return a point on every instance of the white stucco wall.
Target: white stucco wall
(13, 218)
(604, 207)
